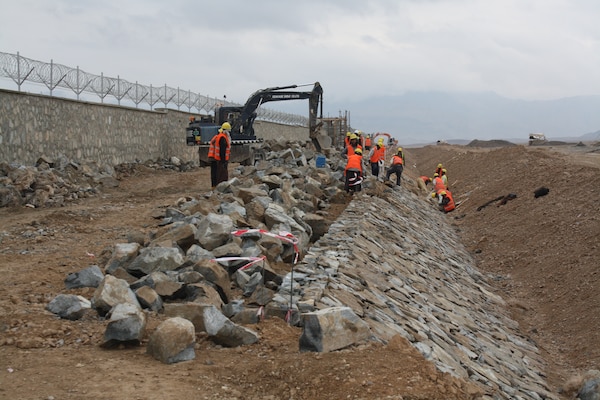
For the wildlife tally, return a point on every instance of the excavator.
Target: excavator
(243, 138)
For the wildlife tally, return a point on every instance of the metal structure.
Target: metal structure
(21, 70)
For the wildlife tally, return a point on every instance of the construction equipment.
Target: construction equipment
(537, 139)
(244, 143)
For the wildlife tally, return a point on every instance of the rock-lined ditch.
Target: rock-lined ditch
(392, 259)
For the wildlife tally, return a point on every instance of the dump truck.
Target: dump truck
(245, 145)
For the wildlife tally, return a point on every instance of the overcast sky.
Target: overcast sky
(357, 49)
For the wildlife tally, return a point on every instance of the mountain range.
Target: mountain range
(425, 117)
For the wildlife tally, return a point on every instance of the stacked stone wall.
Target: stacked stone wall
(35, 125)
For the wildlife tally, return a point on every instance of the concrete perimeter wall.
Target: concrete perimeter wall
(35, 125)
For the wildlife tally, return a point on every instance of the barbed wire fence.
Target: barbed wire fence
(24, 70)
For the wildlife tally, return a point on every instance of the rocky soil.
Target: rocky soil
(540, 254)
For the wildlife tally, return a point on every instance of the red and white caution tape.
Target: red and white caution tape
(283, 235)
(252, 260)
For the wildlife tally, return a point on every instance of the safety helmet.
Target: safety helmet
(439, 165)
(348, 133)
(436, 174)
(356, 131)
(353, 136)
(226, 126)
(399, 149)
(380, 140)
(443, 193)
(358, 150)
(433, 195)
(444, 170)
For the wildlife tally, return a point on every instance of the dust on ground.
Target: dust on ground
(540, 254)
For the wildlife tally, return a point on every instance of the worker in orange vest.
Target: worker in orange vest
(368, 142)
(354, 172)
(352, 146)
(219, 151)
(347, 139)
(438, 169)
(438, 183)
(397, 166)
(377, 158)
(422, 182)
(445, 201)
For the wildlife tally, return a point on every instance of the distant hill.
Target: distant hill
(425, 117)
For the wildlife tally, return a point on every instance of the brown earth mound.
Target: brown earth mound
(490, 143)
(541, 254)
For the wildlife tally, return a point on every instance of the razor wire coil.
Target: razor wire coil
(22, 69)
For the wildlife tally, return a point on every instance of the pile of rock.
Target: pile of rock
(54, 182)
(194, 267)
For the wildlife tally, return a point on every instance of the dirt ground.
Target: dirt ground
(540, 254)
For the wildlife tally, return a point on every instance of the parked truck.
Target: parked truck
(536, 139)
(244, 142)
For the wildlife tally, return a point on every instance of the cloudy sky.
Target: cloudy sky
(357, 49)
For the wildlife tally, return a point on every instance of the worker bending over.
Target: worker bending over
(397, 166)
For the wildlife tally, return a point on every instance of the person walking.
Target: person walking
(368, 142)
(377, 158)
(396, 167)
(354, 172)
(219, 151)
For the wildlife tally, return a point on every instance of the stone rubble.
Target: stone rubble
(391, 261)
(56, 182)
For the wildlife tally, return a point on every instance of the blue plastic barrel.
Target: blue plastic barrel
(320, 161)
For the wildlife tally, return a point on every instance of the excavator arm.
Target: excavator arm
(242, 118)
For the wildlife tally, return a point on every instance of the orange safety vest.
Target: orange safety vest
(355, 162)
(214, 149)
(351, 149)
(438, 184)
(368, 142)
(450, 206)
(378, 154)
(425, 179)
(396, 159)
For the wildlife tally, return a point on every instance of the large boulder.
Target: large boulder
(332, 329)
(173, 341)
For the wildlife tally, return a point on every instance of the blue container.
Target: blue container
(320, 161)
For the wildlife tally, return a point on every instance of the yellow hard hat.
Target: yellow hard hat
(439, 166)
(353, 136)
(433, 195)
(380, 140)
(444, 170)
(358, 150)
(348, 133)
(436, 174)
(443, 193)
(226, 126)
(399, 149)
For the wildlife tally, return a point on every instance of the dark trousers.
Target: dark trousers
(352, 177)
(395, 169)
(218, 172)
(375, 169)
